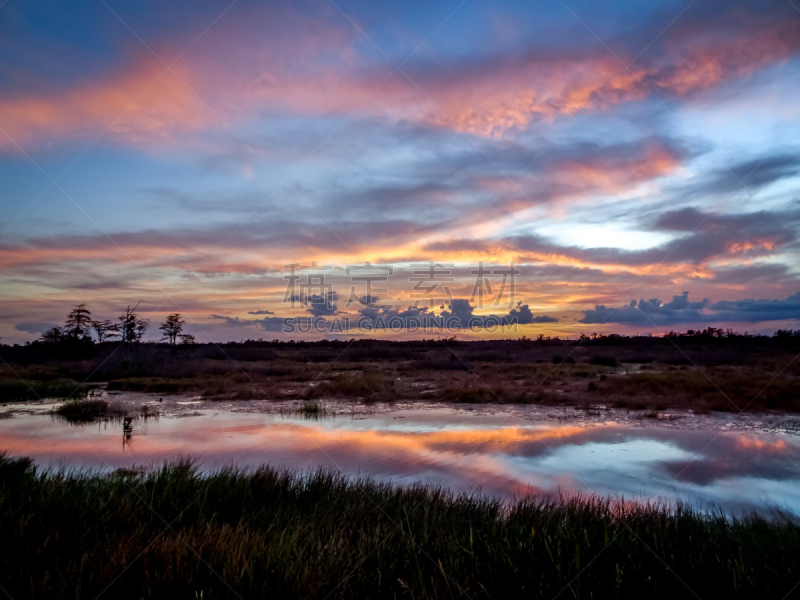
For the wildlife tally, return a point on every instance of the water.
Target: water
(733, 463)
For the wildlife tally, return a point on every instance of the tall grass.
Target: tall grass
(370, 386)
(312, 409)
(79, 411)
(12, 390)
(274, 534)
(86, 411)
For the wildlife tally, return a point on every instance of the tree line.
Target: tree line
(130, 328)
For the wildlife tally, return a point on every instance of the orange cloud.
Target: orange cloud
(490, 102)
(770, 446)
(409, 450)
(613, 176)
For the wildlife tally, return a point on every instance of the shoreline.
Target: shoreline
(181, 405)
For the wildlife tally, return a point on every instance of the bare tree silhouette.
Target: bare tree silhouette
(104, 329)
(172, 328)
(131, 327)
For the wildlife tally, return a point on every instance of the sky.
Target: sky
(511, 168)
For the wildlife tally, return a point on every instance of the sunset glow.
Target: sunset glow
(637, 165)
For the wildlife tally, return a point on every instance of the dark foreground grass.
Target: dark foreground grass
(274, 534)
(15, 389)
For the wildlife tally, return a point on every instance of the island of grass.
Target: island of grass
(173, 532)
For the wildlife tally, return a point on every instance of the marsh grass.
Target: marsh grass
(158, 384)
(634, 375)
(370, 386)
(311, 406)
(485, 394)
(271, 533)
(16, 390)
(312, 409)
(592, 379)
(87, 411)
(80, 411)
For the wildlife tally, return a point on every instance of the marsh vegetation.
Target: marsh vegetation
(271, 533)
(16, 389)
(94, 409)
(698, 373)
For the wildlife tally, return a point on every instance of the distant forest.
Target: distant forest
(82, 337)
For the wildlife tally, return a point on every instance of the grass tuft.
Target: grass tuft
(312, 409)
(81, 410)
(86, 411)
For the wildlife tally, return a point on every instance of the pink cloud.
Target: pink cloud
(140, 105)
(318, 72)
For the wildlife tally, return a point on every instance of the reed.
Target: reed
(86, 411)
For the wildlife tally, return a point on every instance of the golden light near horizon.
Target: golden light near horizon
(184, 164)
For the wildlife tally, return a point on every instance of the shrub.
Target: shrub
(604, 361)
(82, 410)
(558, 359)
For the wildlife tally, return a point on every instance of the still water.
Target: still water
(732, 463)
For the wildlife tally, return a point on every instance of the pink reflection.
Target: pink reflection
(498, 457)
(465, 458)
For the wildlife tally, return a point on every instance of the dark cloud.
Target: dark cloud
(747, 273)
(260, 312)
(758, 310)
(275, 324)
(36, 328)
(292, 324)
(692, 249)
(760, 172)
(707, 235)
(752, 174)
(649, 312)
(319, 305)
(233, 321)
(746, 235)
(418, 317)
(692, 219)
(458, 315)
(375, 317)
(267, 323)
(681, 310)
(523, 315)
